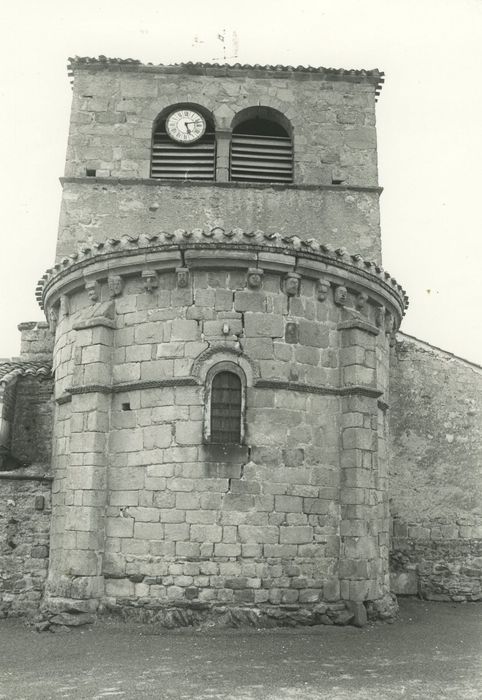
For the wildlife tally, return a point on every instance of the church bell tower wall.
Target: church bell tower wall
(329, 115)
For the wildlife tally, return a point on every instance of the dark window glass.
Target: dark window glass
(226, 408)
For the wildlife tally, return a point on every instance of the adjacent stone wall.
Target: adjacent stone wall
(37, 342)
(435, 480)
(24, 541)
(31, 439)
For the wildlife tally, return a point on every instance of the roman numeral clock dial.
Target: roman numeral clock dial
(185, 126)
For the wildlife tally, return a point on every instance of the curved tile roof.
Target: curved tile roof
(10, 369)
(132, 64)
(215, 237)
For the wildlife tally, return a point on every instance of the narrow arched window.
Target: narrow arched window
(261, 148)
(226, 408)
(183, 144)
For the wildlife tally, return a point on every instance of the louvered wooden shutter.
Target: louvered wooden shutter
(261, 158)
(226, 408)
(174, 161)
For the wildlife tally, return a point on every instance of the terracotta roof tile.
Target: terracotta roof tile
(373, 76)
(12, 368)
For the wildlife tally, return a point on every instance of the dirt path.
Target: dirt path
(432, 651)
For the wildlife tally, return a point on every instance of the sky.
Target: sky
(428, 120)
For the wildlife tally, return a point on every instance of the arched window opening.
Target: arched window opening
(226, 408)
(261, 150)
(191, 159)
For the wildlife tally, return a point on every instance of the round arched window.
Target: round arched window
(226, 409)
(179, 152)
(261, 148)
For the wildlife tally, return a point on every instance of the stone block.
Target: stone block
(258, 348)
(188, 549)
(313, 334)
(119, 588)
(185, 330)
(354, 569)
(352, 355)
(126, 478)
(172, 515)
(355, 478)
(309, 595)
(176, 531)
(288, 504)
(188, 432)
(331, 590)
(357, 374)
(87, 442)
(188, 501)
(249, 301)
(127, 440)
(354, 528)
(143, 514)
(307, 355)
(238, 502)
(360, 548)
(262, 325)
(206, 533)
(252, 534)
(149, 531)
(158, 436)
(296, 534)
(119, 527)
(82, 563)
(222, 549)
(223, 300)
(151, 332)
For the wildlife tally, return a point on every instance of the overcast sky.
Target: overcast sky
(428, 115)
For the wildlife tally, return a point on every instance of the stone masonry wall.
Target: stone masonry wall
(113, 114)
(435, 481)
(147, 515)
(112, 120)
(24, 541)
(36, 342)
(95, 210)
(32, 425)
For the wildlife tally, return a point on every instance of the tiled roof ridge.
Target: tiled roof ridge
(132, 63)
(216, 236)
(21, 368)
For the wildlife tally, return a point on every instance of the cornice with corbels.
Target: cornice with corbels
(216, 246)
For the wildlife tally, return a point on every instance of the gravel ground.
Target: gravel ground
(432, 651)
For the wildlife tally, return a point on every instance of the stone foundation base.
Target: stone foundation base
(61, 614)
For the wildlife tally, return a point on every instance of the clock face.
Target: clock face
(185, 126)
